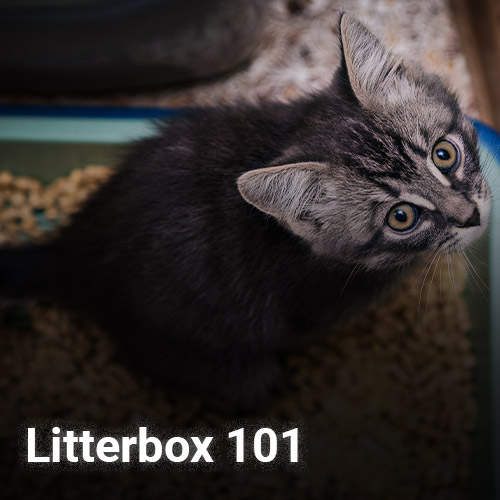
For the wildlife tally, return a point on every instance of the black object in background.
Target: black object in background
(98, 45)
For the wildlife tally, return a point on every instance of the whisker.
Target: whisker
(430, 288)
(441, 280)
(474, 272)
(453, 277)
(468, 278)
(421, 270)
(351, 274)
(423, 283)
(471, 249)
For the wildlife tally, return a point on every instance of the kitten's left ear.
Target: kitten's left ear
(374, 73)
(286, 192)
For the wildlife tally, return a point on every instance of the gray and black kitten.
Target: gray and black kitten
(233, 232)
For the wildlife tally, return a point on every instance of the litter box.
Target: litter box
(46, 142)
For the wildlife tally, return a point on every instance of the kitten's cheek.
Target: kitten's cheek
(484, 204)
(468, 236)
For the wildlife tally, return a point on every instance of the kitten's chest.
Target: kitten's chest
(322, 299)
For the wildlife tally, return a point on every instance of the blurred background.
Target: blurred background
(397, 401)
(169, 52)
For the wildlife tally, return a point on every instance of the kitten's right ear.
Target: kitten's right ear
(287, 192)
(374, 73)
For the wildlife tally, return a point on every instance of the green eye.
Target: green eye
(402, 217)
(445, 155)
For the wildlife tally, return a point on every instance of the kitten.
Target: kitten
(236, 231)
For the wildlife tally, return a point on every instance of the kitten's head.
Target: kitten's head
(384, 170)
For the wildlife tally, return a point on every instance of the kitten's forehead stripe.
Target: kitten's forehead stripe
(423, 132)
(416, 149)
(387, 188)
(400, 173)
(400, 144)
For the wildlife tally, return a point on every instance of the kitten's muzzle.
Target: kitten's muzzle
(473, 221)
(461, 212)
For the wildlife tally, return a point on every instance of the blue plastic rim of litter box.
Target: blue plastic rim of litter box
(112, 125)
(80, 124)
(489, 150)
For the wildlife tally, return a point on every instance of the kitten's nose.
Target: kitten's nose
(473, 220)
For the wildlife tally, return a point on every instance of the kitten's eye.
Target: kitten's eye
(445, 155)
(402, 217)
